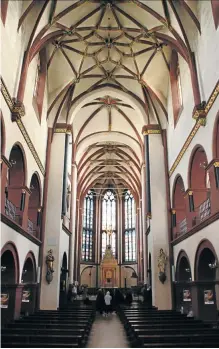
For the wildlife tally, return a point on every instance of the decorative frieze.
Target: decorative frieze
(30, 145)
(6, 95)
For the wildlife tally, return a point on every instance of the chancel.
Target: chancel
(109, 173)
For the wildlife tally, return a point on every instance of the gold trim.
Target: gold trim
(12, 106)
(200, 122)
(173, 211)
(216, 164)
(151, 132)
(212, 98)
(63, 130)
(6, 95)
(30, 145)
(183, 150)
(190, 193)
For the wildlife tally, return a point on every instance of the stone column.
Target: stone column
(144, 215)
(73, 221)
(156, 199)
(49, 297)
(5, 165)
(213, 170)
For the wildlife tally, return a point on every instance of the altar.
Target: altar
(109, 270)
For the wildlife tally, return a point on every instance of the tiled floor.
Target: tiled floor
(107, 333)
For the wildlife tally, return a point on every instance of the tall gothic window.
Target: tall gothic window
(130, 235)
(88, 227)
(109, 222)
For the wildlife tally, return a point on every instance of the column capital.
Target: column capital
(199, 113)
(188, 192)
(213, 163)
(18, 110)
(74, 164)
(151, 129)
(63, 128)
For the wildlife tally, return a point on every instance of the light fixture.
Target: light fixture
(134, 275)
(24, 271)
(13, 162)
(187, 270)
(213, 265)
(203, 165)
(3, 268)
(32, 187)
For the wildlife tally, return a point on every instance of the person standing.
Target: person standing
(108, 300)
(100, 302)
(74, 292)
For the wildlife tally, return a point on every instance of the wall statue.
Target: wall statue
(161, 263)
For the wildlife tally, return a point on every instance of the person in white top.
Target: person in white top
(108, 300)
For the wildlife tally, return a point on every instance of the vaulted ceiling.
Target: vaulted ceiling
(108, 75)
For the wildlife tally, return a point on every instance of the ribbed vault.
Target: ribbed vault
(108, 75)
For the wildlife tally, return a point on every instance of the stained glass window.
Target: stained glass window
(108, 222)
(130, 234)
(88, 229)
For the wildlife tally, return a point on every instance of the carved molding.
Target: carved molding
(6, 95)
(195, 229)
(17, 110)
(30, 145)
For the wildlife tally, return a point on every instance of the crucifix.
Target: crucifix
(109, 236)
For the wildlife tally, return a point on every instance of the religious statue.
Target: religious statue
(162, 261)
(68, 195)
(49, 262)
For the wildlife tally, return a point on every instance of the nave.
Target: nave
(136, 325)
(107, 333)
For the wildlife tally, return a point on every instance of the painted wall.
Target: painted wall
(190, 245)
(88, 275)
(22, 244)
(206, 50)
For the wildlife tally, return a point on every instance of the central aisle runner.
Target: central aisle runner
(107, 333)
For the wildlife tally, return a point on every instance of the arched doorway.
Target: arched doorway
(180, 207)
(10, 302)
(199, 183)
(34, 213)
(28, 279)
(63, 281)
(183, 288)
(15, 184)
(206, 265)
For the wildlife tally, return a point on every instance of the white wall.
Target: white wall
(190, 244)
(206, 50)
(23, 245)
(64, 246)
(204, 137)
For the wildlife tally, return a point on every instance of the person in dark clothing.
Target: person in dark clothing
(129, 298)
(147, 294)
(100, 302)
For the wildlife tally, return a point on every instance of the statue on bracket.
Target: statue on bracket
(162, 261)
(49, 262)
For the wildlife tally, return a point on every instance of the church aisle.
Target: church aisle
(107, 333)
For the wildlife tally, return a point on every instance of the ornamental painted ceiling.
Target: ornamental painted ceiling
(108, 73)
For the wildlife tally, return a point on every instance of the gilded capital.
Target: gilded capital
(216, 164)
(18, 110)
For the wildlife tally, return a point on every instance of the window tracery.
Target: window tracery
(88, 227)
(108, 222)
(130, 233)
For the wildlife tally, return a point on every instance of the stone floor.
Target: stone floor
(107, 333)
